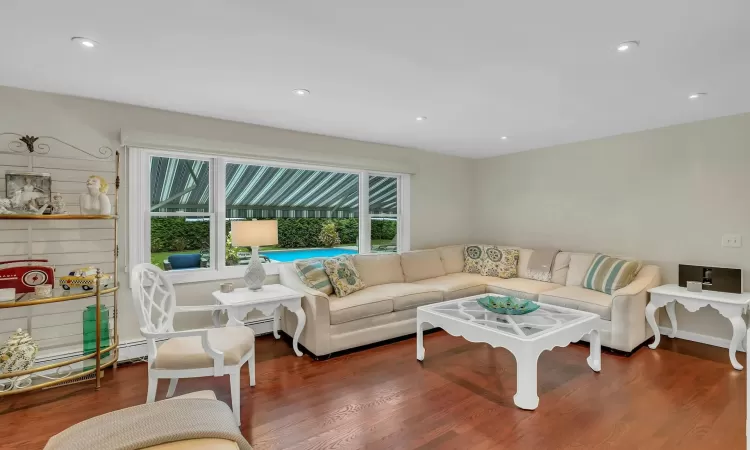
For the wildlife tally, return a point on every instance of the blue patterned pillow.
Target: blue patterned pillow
(313, 274)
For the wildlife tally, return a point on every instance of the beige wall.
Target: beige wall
(665, 196)
(441, 189)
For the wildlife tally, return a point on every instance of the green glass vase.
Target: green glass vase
(89, 330)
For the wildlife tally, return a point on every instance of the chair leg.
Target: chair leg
(153, 382)
(172, 387)
(251, 367)
(234, 382)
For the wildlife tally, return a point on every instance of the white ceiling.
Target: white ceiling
(540, 72)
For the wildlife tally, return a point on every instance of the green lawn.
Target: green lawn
(157, 259)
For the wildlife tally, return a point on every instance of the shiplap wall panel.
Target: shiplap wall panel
(67, 244)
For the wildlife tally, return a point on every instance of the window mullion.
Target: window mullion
(365, 245)
(220, 211)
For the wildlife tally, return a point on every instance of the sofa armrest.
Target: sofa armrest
(629, 328)
(316, 335)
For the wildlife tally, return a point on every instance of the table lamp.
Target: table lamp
(254, 233)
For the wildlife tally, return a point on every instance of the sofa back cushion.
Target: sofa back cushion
(421, 264)
(452, 257)
(579, 265)
(560, 268)
(379, 269)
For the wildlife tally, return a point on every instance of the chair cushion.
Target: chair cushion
(197, 444)
(185, 261)
(358, 305)
(188, 353)
(458, 285)
(344, 276)
(421, 264)
(576, 297)
(500, 262)
(608, 274)
(379, 269)
(452, 257)
(313, 274)
(520, 287)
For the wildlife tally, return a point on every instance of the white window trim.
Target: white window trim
(139, 230)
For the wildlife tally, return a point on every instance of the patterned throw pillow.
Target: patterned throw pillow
(343, 275)
(500, 262)
(313, 274)
(607, 274)
(473, 258)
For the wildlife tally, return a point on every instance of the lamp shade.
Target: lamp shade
(254, 233)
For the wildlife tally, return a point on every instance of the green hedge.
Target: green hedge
(170, 233)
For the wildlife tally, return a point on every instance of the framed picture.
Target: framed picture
(28, 189)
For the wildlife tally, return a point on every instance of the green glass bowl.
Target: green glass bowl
(503, 304)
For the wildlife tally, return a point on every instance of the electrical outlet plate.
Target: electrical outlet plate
(731, 240)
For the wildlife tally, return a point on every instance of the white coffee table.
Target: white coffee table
(268, 300)
(526, 336)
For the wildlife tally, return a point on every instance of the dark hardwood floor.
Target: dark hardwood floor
(681, 396)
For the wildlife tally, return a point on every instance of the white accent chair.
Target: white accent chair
(190, 353)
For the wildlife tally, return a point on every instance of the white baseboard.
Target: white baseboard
(702, 338)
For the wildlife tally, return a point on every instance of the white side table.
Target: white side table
(268, 301)
(731, 306)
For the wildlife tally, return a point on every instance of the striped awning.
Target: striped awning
(266, 192)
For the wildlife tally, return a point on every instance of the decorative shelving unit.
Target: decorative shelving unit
(35, 378)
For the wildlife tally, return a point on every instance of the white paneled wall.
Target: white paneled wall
(67, 244)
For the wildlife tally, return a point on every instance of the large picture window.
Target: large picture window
(191, 200)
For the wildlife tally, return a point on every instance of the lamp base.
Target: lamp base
(255, 274)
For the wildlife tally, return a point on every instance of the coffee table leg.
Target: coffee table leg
(526, 394)
(420, 341)
(595, 356)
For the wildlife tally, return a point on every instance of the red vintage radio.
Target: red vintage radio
(23, 276)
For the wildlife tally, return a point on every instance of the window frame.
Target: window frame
(140, 209)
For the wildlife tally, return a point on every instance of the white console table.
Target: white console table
(731, 306)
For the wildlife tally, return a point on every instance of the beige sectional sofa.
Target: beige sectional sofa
(398, 284)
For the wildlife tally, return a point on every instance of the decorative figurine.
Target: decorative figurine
(17, 354)
(96, 201)
(58, 204)
(5, 205)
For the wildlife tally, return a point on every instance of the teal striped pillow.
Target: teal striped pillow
(608, 274)
(313, 273)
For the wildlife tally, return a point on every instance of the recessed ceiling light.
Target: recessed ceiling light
(627, 46)
(302, 92)
(697, 95)
(504, 137)
(84, 42)
(421, 118)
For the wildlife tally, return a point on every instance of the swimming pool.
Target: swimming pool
(305, 253)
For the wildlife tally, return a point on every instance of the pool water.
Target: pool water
(305, 253)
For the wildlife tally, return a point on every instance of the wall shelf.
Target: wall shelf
(63, 372)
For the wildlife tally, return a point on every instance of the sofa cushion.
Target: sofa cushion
(344, 275)
(407, 295)
(576, 297)
(560, 268)
(520, 287)
(358, 305)
(458, 285)
(500, 262)
(579, 265)
(379, 269)
(313, 274)
(608, 274)
(187, 352)
(421, 264)
(453, 258)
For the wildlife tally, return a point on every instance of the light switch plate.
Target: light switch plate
(731, 240)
